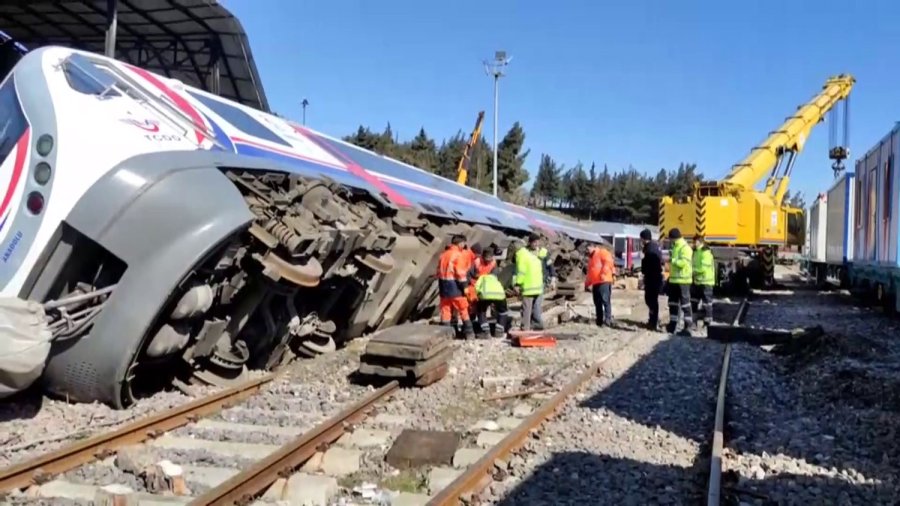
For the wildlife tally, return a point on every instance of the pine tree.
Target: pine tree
(511, 173)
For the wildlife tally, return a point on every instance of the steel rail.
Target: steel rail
(478, 475)
(244, 486)
(714, 492)
(74, 455)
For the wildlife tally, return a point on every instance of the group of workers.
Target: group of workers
(692, 276)
(469, 286)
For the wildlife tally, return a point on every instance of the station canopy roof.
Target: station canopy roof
(198, 42)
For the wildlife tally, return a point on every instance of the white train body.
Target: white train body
(119, 178)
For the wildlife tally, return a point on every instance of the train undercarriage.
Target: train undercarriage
(316, 264)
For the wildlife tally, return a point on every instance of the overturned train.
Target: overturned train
(172, 234)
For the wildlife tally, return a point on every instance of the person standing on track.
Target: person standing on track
(652, 270)
(453, 279)
(528, 283)
(490, 295)
(599, 280)
(704, 271)
(680, 280)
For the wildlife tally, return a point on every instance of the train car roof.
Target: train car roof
(466, 203)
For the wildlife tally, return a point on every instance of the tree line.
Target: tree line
(598, 194)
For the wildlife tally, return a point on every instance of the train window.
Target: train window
(240, 119)
(13, 123)
(84, 77)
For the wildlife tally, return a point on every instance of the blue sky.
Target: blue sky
(646, 83)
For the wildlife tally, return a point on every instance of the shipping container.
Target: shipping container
(817, 222)
(839, 229)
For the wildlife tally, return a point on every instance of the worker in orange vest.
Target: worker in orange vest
(453, 279)
(473, 256)
(599, 280)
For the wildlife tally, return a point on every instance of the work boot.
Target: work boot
(504, 323)
(685, 332)
(482, 335)
(467, 331)
(671, 326)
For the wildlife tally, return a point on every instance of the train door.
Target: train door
(872, 207)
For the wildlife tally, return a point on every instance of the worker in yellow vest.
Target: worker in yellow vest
(528, 283)
(680, 280)
(704, 272)
(491, 295)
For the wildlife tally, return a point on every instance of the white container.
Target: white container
(818, 218)
(840, 223)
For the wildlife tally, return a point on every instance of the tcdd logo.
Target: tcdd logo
(147, 125)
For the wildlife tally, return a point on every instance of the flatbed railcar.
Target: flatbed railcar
(170, 231)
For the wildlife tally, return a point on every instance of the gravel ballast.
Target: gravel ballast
(635, 435)
(814, 422)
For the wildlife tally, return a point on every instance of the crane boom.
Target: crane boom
(789, 139)
(464, 162)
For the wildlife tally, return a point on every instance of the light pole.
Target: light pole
(495, 69)
(304, 104)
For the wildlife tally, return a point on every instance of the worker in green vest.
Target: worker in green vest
(528, 283)
(704, 271)
(491, 295)
(680, 280)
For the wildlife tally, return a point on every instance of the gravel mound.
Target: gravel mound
(813, 421)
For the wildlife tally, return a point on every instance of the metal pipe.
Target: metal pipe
(496, 115)
(112, 24)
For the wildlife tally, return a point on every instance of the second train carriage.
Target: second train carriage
(176, 229)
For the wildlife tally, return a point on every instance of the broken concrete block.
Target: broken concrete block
(416, 448)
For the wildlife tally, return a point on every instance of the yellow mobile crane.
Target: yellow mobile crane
(745, 226)
(463, 167)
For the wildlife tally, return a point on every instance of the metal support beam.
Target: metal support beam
(112, 22)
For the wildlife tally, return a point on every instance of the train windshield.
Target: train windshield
(12, 119)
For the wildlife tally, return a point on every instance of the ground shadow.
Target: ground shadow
(580, 478)
(672, 387)
(21, 406)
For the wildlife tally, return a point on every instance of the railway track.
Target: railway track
(186, 432)
(714, 491)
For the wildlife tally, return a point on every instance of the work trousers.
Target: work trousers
(501, 315)
(602, 293)
(452, 306)
(652, 287)
(703, 294)
(679, 299)
(531, 312)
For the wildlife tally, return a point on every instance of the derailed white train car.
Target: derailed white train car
(170, 231)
